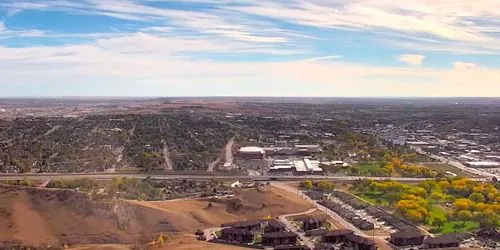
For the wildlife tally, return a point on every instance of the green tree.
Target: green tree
(477, 197)
(438, 221)
(464, 215)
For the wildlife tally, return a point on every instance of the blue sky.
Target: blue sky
(249, 48)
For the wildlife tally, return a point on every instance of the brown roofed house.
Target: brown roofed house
(407, 238)
(337, 236)
(310, 223)
(443, 241)
(251, 225)
(274, 226)
(236, 234)
(279, 239)
(359, 243)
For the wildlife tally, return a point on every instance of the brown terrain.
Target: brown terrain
(194, 214)
(38, 217)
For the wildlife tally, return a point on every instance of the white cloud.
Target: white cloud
(443, 20)
(415, 60)
(144, 60)
(166, 52)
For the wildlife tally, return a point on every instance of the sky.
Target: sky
(338, 48)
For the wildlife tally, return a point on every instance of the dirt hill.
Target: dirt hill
(194, 214)
(57, 217)
(39, 217)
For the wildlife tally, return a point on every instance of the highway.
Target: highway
(173, 176)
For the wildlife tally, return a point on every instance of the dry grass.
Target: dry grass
(189, 215)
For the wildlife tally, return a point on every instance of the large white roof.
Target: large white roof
(251, 150)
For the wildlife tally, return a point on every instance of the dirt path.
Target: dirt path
(166, 155)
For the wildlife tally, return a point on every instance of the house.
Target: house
(251, 225)
(279, 239)
(407, 238)
(274, 226)
(488, 233)
(359, 243)
(443, 241)
(316, 232)
(237, 235)
(337, 236)
(310, 223)
(290, 247)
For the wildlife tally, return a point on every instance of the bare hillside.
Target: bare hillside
(56, 217)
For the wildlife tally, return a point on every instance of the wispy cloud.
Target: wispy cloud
(268, 40)
(415, 60)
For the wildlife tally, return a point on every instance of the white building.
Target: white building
(251, 153)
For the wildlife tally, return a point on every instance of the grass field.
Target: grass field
(372, 198)
(365, 168)
(459, 227)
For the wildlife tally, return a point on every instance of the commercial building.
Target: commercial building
(251, 153)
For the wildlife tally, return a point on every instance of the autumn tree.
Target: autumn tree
(326, 185)
(414, 216)
(462, 204)
(307, 184)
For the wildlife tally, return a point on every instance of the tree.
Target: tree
(462, 204)
(464, 215)
(477, 197)
(437, 195)
(414, 216)
(326, 186)
(438, 221)
(307, 184)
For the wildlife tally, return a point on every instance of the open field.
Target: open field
(190, 215)
(56, 217)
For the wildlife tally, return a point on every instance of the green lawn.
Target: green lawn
(372, 198)
(459, 227)
(366, 168)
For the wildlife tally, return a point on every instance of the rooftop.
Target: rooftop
(278, 235)
(407, 234)
(251, 150)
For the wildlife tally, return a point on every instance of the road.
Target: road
(229, 152)
(174, 176)
(305, 240)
